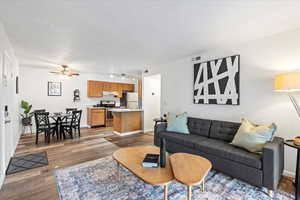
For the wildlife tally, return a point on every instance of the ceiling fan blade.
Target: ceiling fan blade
(56, 72)
(73, 74)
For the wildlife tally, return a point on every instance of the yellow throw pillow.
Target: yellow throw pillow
(253, 137)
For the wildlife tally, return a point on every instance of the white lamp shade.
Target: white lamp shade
(289, 82)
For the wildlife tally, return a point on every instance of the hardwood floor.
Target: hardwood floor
(39, 183)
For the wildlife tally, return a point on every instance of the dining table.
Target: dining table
(58, 119)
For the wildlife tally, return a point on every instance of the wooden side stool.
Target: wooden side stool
(190, 170)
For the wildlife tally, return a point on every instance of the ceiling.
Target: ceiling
(129, 36)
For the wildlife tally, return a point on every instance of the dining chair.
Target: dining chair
(70, 110)
(74, 124)
(43, 125)
(40, 110)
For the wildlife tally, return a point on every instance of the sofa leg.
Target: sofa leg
(271, 193)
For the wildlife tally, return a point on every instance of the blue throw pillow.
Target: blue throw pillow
(178, 123)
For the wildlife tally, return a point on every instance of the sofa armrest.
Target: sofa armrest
(273, 163)
(160, 127)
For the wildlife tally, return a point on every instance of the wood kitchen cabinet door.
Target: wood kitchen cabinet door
(100, 88)
(107, 86)
(120, 90)
(131, 87)
(140, 88)
(114, 87)
(92, 90)
(123, 86)
(96, 117)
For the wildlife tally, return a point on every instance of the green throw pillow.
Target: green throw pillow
(177, 123)
(253, 137)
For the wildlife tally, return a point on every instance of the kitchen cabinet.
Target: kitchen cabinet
(107, 86)
(114, 87)
(96, 88)
(128, 87)
(99, 86)
(96, 117)
(93, 89)
(119, 90)
(140, 88)
(131, 87)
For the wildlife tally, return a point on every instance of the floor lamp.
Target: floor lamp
(289, 83)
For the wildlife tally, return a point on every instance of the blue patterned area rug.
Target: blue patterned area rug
(96, 180)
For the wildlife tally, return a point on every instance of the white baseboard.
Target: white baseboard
(289, 173)
(148, 130)
(2, 177)
(127, 133)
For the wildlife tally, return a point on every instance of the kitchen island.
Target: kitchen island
(127, 121)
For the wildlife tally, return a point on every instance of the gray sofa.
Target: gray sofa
(211, 138)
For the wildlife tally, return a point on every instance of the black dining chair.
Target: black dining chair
(70, 110)
(40, 110)
(43, 125)
(74, 124)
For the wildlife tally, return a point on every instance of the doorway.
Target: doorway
(7, 105)
(151, 100)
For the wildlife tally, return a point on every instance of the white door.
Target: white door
(151, 100)
(6, 102)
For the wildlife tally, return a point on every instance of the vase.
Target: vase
(162, 155)
(26, 121)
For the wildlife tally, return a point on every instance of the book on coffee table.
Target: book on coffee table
(151, 160)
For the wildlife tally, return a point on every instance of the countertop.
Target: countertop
(125, 110)
(91, 107)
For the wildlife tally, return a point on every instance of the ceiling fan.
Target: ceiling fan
(65, 71)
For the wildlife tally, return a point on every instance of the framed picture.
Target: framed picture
(217, 81)
(54, 88)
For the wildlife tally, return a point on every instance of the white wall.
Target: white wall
(151, 100)
(260, 60)
(33, 88)
(9, 133)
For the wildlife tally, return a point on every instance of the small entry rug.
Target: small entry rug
(26, 162)
(96, 180)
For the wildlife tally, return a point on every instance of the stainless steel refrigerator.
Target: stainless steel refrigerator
(132, 100)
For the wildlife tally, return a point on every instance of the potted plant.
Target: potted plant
(26, 115)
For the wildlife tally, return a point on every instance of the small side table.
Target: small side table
(290, 143)
(159, 120)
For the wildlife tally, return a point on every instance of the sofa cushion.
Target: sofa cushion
(253, 137)
(178, 123)
(223, 130)
(183, 139)
(227, 151)
(199, 126)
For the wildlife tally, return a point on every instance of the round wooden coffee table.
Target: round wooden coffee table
(190, 170)
(132, 158)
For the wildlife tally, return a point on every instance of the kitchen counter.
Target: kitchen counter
(124, 110)
(127, 121)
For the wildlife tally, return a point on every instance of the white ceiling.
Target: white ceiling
(127, 36)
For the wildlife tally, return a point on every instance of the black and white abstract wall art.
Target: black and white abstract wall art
(217, 81)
